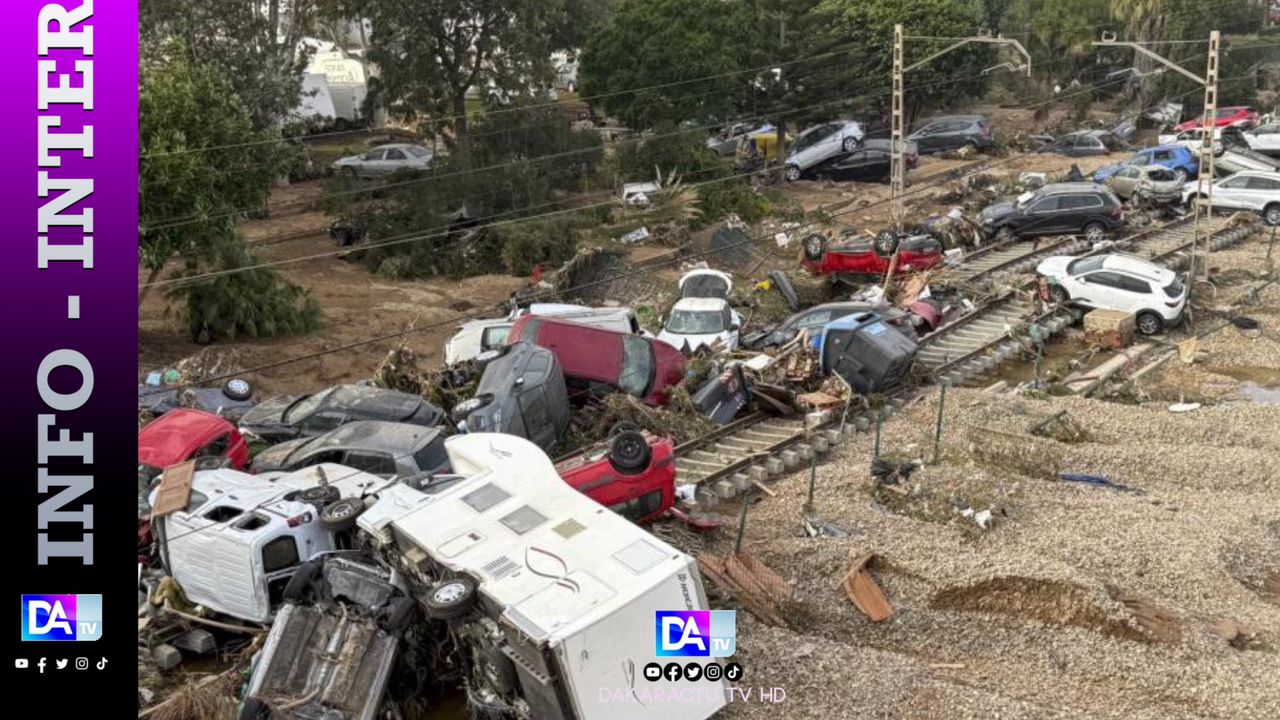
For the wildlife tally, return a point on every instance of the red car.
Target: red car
(634, 474)
(175, 437)
(644, 367)
(1241, 117)
(864, 256)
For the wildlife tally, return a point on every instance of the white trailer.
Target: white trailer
(553, 596)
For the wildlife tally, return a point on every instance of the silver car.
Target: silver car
(1143, 184)
(385, 160)
(820, 143)
(1250, 190)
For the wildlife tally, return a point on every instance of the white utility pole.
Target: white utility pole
(898, 168)
(1208, 122)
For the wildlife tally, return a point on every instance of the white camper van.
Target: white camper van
(552, 596)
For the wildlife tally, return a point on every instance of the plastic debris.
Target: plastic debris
(635, 236)
(1096, 480)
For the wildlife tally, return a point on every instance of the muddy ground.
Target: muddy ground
(1159, 600)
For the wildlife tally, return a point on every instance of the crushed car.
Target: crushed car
(232, 400)
(867, 352)
(536, 583)
(922, 316)
(702, 316)
(385, 449)
(333, 643)
(1180, 159)
(522, 392)
(474, 337)
(633, 473)
(858, 255)
(821, 143)
(286, 417)
(237, 543)
(596, 361)
(1146, 185)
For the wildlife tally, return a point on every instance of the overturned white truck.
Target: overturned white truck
(552, 597)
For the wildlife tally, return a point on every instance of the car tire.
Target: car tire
(815, 247)
(792, 173)
(237, 389)
(1180, 174)
(1005, 235)
(629, 452)
(320, 495)
(886, 243)
(1149, 323)
(450, 599)
(1095, 232)
(341, 514)
(1058, 294)
(1271, 214)
(623, 426)
(849, 144)
(298, 589)
(350, 172)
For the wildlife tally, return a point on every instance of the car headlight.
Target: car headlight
(466, 407)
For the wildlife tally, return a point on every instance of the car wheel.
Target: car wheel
(1005, 235)
(1095, 232)
(237, 389)
(341, 514)
(849, 144)
(1149, 323)
(1059, 294)
(450, 599)
(349, 172)
(320, 495)
(1271, 214)
(623, 426)
(815, 246)
(792, 173)
(629, 452)
(1180, 174)
(886, 243)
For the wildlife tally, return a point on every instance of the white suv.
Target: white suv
(1248, 190)
(1118, 282)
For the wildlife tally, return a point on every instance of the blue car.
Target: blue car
(1181, 160)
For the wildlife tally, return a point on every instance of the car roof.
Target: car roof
(697, 304)
(1138, 266)
(375, 435)
(1173, 148)
(171, 437)
(388, 146)
(1066, 187)
(970, 118)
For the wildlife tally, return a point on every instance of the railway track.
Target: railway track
(735, 457)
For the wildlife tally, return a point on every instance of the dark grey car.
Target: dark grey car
(953, 132)
(816, 317)
(380, 448)
(521, 393)
(291, 416)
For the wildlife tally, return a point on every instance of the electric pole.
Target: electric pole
(1209, 120)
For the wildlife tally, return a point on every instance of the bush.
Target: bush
(553, 241)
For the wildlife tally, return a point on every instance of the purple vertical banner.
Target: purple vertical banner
(70, 185)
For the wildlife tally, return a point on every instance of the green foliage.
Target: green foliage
(549, 241)
(430, 53)
(188, 198)
(685, 155)
(250, 303)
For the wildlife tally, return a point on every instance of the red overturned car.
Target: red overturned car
(590, 356)
(1236, 116)
(860, 255)
(633, 474)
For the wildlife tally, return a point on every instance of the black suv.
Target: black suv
(1059, 209)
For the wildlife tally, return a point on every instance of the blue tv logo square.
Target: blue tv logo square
(61, 618)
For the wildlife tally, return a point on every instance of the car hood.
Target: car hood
(269, 413)
(1055, 266)
(276, 456)
(347, 160)
(997, 211)
(693, 341)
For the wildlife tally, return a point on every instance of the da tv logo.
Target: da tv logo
(61, 617)
(695, 633)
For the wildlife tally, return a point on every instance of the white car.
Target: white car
(1264, 138)
(384, 160)
(702, 315)
(477, 336)
(1153, 294)
(1250, 190)
(1193, 138)
(820, 143)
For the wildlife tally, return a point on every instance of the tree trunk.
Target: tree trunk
(146, 286)
(460, 115)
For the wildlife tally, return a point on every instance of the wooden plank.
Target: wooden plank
(174, 492)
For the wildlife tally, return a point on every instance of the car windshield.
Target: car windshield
(1160, 175)
(637, 365)
(304, 407)
(695, 322)
(416, 151)
(1085, 265)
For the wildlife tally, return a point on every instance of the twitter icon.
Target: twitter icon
(61, 664)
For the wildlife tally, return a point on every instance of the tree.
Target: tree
(649, 44)
(429, 54)
(253, 44)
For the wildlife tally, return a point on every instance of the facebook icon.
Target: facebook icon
(695, 633)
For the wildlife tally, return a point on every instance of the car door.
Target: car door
(368, 166)
(1041, 218)
(394, 160)
(1232, 193)
(927, 139)
(1266, 139)
(1122, 183)
(1132, 294)
(1262, 191)
(1098, 289)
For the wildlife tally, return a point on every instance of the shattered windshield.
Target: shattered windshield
(695, 322)
(304, 407)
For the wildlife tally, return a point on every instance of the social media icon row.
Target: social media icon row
(692, 672)
(82, 663)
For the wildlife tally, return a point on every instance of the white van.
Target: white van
(235, 546)
(552, 596)
(476, 336)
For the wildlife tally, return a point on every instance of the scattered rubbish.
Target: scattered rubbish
(723, 396)
(1187, 350)
(731, 246)
(815, 526)
(1096, 480)
(782, 239)
(863, 591)
(638, 235)
(1061, 427)
(782, 283)
(753, 584)
(1245, 323)
(984, 519)
(1033, 180)
(1182, 407)
(1237, 636)
(887, 472)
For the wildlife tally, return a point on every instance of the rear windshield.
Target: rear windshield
(637, 365)
(1174, 289)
